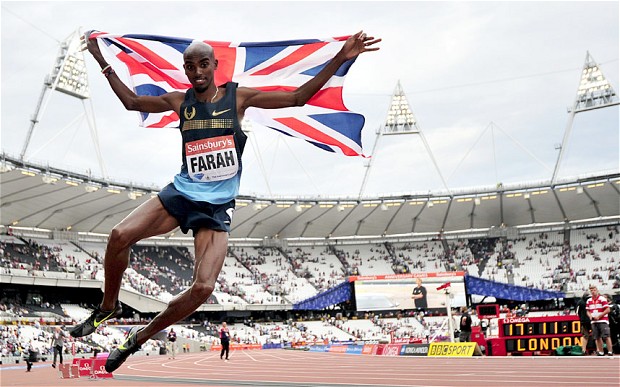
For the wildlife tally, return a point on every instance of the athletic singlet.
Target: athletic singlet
(213, 143)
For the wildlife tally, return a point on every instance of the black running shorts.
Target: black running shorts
(193, 215)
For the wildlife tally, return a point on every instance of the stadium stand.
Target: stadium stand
(557, 260)
(266, 276)
(322, 268)
(367, 259)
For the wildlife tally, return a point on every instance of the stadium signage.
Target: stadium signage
(541, 343)
(452, 349)
(405, 276)
(541, 326)
(99, 369)
(414, 350)
(517, 320)
(539, 333)
(391, 350)
(84, 366)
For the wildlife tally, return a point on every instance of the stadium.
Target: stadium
(319, 282)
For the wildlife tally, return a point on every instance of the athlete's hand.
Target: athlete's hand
(86, 43)
(359, 43)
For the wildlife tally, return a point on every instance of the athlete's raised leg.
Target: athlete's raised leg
(210, 250)
(149, 219)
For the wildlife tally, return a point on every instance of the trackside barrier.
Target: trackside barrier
(354, 349)
(338, 349)
(68, 371)
(319, 348)
(433, 349)
(272, 346)
(236, 346)
(84, 366)
(414, 350)
(390, 349)
(368, 349)
(99, 371)
(92, 368)
(452, 349)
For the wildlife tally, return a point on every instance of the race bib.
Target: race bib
(212, 159)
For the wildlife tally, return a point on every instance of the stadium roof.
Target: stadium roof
(52, 199)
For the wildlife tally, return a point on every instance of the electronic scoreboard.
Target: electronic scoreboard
(521, 335)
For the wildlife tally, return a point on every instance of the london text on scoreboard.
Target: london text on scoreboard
(528, 334)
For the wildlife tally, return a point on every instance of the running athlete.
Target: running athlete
(202, 196)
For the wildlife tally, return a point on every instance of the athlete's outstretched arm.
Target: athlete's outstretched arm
(354, 46)
(131, 101)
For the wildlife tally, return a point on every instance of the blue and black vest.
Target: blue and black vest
(213, 144)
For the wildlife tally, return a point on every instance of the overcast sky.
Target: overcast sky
(489, 83)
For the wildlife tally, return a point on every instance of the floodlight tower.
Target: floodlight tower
(594, 92)
(399, 120)
(68, 76)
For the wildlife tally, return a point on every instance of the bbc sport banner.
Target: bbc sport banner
(452, 349)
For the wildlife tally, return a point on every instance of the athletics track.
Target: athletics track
(282, 368)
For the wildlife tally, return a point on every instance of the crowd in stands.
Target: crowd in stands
(322, 269)
(364, 262)
(547, 260)
(565, 261)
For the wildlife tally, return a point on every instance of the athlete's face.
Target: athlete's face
(200, 66)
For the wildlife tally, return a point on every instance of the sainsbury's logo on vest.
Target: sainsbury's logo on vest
(209, 145)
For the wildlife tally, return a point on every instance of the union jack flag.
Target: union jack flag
(155, 67)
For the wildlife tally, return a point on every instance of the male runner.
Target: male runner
(202, 196)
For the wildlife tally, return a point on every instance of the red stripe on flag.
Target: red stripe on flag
(342, 38)
(168, 119)
(315, 134)
(95, 34)
(136, 67)
(226, 57)
(149, 55)
(330, 98)
(301, 53)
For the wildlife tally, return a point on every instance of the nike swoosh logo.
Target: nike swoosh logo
(216, 113)
(122, 346)
(97, 323)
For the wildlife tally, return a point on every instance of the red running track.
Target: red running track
(280, 368)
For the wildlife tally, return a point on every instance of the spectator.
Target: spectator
(58, 343)
(586, 324)
(30, 356)
(465, 326)
(598, 310)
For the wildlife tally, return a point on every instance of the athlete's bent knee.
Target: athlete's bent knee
(202, 290)
(120, 238)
